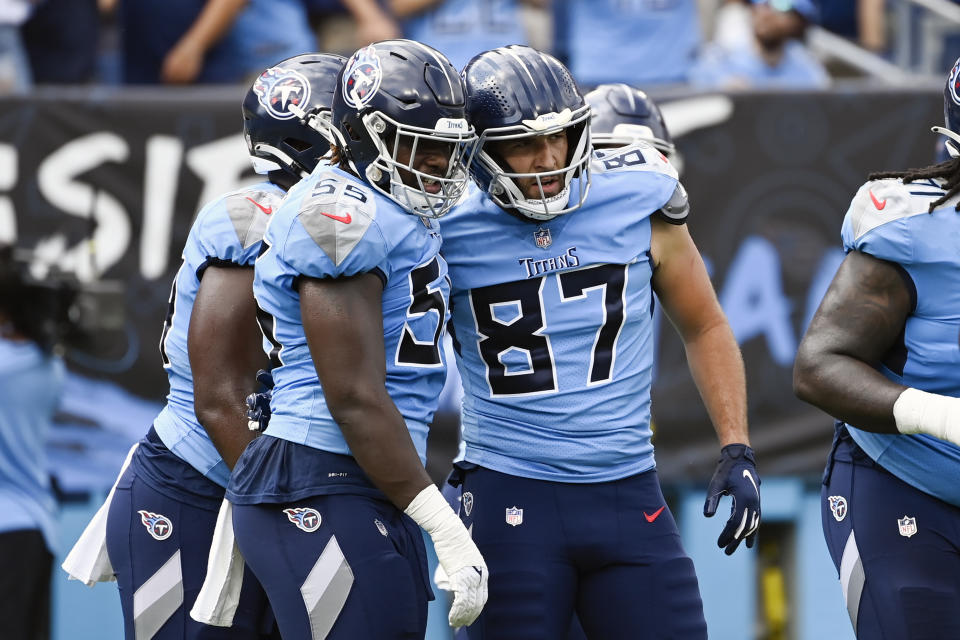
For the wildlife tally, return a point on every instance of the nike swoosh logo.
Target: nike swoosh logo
(653, 516)
(749, 476)
(266, 210)
(345, 219)
(879, 204)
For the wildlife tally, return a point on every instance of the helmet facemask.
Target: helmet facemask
(429, 195)
(504, 189)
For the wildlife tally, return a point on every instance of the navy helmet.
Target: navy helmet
(517, 92)
(623, 115)
(286, 113)
(402, 92)
(951, 111)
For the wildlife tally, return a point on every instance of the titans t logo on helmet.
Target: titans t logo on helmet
(278, 88)
(361, 77)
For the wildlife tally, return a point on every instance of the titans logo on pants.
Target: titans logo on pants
(158, 526)
(306, 519)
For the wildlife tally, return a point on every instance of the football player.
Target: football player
(353, 297)
(552, 325)
(162, 511)
(881, 356)
(621, 115)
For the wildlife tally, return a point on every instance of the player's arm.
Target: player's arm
(683, 287)
(859, 319)
(681, 282)
(343, 323)
(225, 352)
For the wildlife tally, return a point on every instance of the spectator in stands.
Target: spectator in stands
(770, 53)
(62, 40)
(209, 41)
(863, 21)
(640, 42)
(461, 28)
(15, 76)
(30, 381)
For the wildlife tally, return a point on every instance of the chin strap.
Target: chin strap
(953, 142)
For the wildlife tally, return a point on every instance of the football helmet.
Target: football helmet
(403, 94)
(517, 92)
(951, 111)
(623, 115)
(286, 114)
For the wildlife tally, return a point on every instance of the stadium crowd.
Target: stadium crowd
(709, 44)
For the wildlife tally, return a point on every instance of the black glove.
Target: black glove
(258, 404)
(736, 476)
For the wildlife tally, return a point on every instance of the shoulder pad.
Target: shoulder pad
(677, 208)
(635, 157)
(249, 211)
(879, 202)
(337, 213)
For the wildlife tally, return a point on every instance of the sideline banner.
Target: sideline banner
(107, 185)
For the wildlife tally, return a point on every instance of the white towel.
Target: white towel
(218, 598)
(88, 560)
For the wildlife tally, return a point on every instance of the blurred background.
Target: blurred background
(119, 118)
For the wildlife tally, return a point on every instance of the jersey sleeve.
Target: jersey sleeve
(876, 222)
(334, 232)
(229, 230)
(654, 177)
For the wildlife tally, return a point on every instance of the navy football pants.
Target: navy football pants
(896, 549)
(608, 551)
(355, 568)
(161, 560)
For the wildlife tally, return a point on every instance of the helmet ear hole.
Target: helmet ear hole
(296, 143)
(354, 136)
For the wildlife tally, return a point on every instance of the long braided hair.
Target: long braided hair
(948, 170)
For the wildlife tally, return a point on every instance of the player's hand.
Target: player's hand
(736, 476)
(258, 404)
(458, 555)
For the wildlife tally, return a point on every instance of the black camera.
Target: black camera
(55, 309)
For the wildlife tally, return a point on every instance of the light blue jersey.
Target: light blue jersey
(30, 385)
(640, 42)
(552, 326)
(888, 220)
(227, 231)
(463, 28)
(333, 225)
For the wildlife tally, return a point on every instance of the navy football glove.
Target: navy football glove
(258, 404)
(736, 476)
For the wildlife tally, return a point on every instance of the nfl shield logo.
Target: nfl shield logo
(467, 503)
(908, 526)
(514, 516)
(542, 236)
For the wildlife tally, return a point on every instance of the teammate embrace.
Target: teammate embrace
(546, 271)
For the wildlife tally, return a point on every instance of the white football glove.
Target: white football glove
(462, 565)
